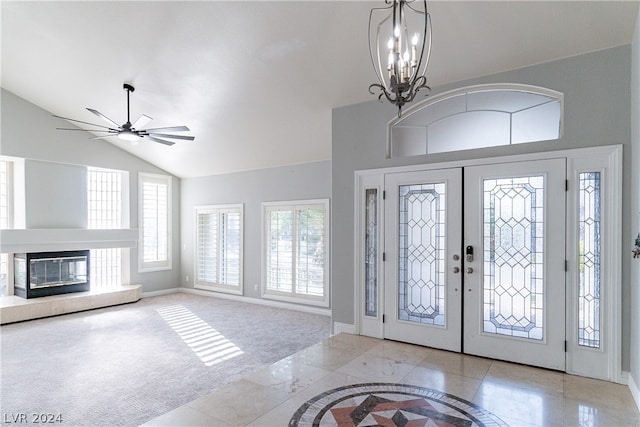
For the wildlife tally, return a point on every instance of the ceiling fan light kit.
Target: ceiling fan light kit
(400, 47)
(132, 132)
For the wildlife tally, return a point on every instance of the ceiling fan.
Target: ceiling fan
(132, 132)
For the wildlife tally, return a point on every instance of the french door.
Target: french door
(477, 264)
(422, 237)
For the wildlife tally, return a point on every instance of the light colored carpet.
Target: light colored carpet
(124, 365)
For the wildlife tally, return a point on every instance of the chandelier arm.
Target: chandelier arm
(377, 69)
(419, 83)
(427, 32)
(383, 92)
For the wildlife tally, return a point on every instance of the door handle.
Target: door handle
(469, 270)
(469, 253)
(456, 269)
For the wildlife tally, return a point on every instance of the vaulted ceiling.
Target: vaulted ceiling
(256, 81)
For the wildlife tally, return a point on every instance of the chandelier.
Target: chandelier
(400, 46)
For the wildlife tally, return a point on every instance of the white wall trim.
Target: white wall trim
(63, 239)
(211, 294)
(277, 304)
(602, 150)
(633, 388)
(344, 328)
(160, 292)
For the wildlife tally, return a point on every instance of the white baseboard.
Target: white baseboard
(344, 327)
(270, 303)
(160, 292)
(635, 392)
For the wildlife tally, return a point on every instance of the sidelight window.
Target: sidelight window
(589, 260)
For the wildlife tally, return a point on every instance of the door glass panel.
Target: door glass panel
(371, 252)
(589, 260)
(421, 251)
(513, 257)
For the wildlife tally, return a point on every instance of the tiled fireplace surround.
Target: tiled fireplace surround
(16, 309)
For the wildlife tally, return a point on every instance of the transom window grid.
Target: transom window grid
(295, 259)
(155, 197)
(589, 247)
(219, 246)
(421, 253)
(513, 257)
(477, 117)
(104, 187)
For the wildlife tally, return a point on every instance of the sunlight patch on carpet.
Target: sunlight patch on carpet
(208, 344)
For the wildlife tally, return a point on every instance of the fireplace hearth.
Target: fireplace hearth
(42, 274)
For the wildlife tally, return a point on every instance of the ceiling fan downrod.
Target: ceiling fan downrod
(129, 89)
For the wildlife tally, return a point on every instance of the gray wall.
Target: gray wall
(297, 182)
(56, 158)
(635, 199)
(596, 89)
(62, 188)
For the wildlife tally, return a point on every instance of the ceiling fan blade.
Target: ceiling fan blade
(103, 117)
(86, 123)
(166, 135)
(86, 130)
(141, 122)
(169, 129)
(161, 141)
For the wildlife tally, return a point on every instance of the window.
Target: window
(105, 198)
(6, 219)
(154, 252)
(589, 218)
(295, 251)
(219, 248)
(6, 199)
(477, 117)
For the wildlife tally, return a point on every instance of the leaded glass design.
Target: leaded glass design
(589, 260)
(513, 257)
(371, 252)
(422, 254)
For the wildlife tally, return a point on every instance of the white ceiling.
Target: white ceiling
(256, 81)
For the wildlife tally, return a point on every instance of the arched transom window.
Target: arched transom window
(477, 117)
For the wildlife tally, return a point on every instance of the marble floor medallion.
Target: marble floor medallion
(392, 405)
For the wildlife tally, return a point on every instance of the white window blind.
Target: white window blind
(219, 247)
(296, 260)
(155, 217)
(105, 190)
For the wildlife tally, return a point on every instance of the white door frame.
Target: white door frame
(605, 363)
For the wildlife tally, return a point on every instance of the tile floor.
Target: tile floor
(519, 395)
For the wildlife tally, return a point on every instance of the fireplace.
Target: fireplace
(51, 273)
